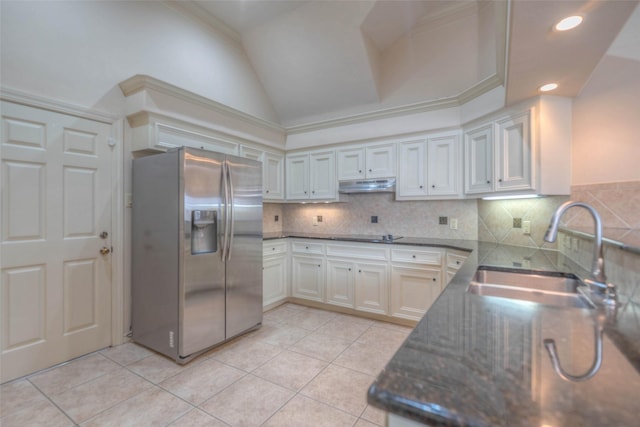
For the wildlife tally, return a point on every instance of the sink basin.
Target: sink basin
(549, 288)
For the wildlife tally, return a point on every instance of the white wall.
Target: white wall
(606, 114)
(77, 52)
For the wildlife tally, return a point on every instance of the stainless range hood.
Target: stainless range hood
(386, 185)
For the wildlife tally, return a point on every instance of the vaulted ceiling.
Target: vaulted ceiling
(320, 60)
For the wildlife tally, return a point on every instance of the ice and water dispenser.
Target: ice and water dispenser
(204, 231)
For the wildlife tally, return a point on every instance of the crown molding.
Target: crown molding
(44, 103)
(141, 82)
(421, 107)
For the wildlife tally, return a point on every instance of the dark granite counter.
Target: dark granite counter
(465, 245)
(480, 361)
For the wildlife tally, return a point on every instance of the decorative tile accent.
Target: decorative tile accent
(495, 220)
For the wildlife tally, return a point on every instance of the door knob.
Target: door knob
(104, 250)
(104, 235)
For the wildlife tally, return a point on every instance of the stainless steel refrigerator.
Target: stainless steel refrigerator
(196, 250)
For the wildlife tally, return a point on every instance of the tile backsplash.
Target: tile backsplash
(406, 218)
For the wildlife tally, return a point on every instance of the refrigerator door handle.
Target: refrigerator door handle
(231, 205)
(225, 211)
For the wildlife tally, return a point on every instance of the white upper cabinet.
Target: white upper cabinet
(311, 176)
(272, 171)
(367, 162)
(159, 133)
(351, 164)
(526, 150)
(381, 161)
(273, 176)
(478, 158)
(513, 149)
(412, 177)
(443, 164)
(430, 167)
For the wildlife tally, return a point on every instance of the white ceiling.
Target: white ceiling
(320, 60)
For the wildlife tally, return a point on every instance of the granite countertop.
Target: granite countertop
(465, 245)
(480, 361)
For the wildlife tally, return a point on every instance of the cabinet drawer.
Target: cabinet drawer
(303, 247)
(364, 251)
(273, 247)
(417, 256)
(455, 261)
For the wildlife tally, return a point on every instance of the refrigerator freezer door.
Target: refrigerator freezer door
(202, 286)
(244, 264)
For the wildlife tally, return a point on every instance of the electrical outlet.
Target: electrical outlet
(276, 218)
(453, 223)
(526, 227)
(374, 219)
(517, 222)
(443, 220)
(319, 218)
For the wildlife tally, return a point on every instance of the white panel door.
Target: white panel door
(413, 290)
(55, 296)
(307, 278)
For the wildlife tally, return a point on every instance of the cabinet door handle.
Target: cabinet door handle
(421, 186)
(370, 170)
(267, 191)
(349, 269)
(273, 249)
(313, 192)
(306, 247)
(360, 171)
(500, 180)
(488, 182)
(434, 279)
(433, 186)
(359, 271)
(414, 257)
(458, 262)
(318, 265)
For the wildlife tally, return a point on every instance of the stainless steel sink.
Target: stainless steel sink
(549, 288)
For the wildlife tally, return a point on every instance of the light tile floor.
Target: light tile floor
(303, 367)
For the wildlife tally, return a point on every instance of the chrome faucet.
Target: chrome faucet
(598, 278)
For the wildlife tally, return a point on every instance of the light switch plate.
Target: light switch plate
(453, 223)
(526, 227)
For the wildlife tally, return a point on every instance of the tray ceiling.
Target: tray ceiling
(323, 60)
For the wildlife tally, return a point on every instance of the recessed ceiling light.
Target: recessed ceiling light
(568, 23)
(548, 87)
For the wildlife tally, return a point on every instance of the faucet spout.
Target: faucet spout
(597, 266)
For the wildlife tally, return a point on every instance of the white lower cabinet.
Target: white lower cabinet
(307, 277)
(455, 259)
(414, 290)
(416, 280)
(275, 272)
(399, 281)
(372, 288)
(340, 282)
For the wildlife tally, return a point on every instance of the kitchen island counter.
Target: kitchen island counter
(480, 361)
